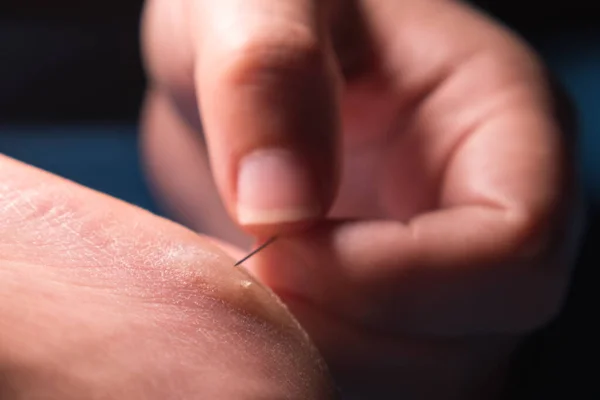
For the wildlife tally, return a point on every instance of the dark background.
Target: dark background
(66, 60)
(71, 84)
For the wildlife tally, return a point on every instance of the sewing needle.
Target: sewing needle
(261, 247)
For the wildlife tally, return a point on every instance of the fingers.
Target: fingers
(496, 258)
(267, 88)
(474, 269)
(493, 253)
(119, 292)
(465, 271)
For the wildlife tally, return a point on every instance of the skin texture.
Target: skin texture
(101, 300)
(434, 146)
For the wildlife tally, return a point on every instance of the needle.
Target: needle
(261, 247)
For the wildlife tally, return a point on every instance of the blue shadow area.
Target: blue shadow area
(104, 158)
(576, 61)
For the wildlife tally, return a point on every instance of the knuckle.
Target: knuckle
(166, 46)
(293, 54)
(529, 235)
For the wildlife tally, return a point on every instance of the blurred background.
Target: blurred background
(71, 84)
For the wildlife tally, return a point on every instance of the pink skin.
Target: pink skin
(102, 300)
(426, 206)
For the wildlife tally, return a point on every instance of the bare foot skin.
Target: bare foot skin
(102, 300)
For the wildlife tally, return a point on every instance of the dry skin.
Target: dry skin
(101, 300)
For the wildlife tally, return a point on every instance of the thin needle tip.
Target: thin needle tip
(261, 247)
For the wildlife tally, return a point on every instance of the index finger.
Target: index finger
(267, 86)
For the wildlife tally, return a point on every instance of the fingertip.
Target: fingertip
(269, 98)
(275, 187)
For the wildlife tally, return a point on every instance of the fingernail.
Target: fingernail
(274, 187)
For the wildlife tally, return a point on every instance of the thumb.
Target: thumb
(267, 89)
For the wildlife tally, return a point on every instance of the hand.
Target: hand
(411, 154)
(101, 300)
